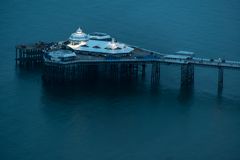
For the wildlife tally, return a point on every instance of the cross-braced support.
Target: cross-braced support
(187, 75)
(155, 77)
(220, 79)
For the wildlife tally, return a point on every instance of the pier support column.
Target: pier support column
(187, 75)
(16, 55)
(155, 77)
(123, 71)
(143, 70)
(220, 79)
(135, 70)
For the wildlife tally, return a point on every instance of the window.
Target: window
(84, 45)
(96, 47)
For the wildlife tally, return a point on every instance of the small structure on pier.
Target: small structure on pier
(78, 37)
(60, 55)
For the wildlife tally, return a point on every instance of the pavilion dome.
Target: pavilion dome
(79, 35)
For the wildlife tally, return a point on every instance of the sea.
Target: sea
(122, 121)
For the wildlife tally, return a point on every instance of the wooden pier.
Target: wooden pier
(85, 66)
(30, 54)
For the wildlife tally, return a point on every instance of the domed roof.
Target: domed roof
(79, 30)
(79, 35)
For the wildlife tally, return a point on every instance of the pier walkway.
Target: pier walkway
(139, 58)
(140, 55)
(202, 62)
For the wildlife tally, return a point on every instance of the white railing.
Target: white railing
(196, 61)
(154, 57)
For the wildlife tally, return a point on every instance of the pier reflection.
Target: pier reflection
(186, 93)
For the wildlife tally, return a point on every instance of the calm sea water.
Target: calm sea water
(116, 121)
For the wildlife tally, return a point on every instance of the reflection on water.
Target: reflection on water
(117, 117)
(106, 86)
(186, 93)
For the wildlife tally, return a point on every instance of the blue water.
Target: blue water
(116, 122)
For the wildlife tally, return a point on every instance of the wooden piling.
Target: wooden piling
(220, 78)
(155, 76)
(187, 75)
(143, 70)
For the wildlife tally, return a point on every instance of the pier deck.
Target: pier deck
(131, 64)
(146, 56)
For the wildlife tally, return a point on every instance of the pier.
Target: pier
(30, 54)
(133, 65)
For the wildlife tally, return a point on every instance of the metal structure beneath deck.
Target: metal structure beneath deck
(30, 54)
(133, 65)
